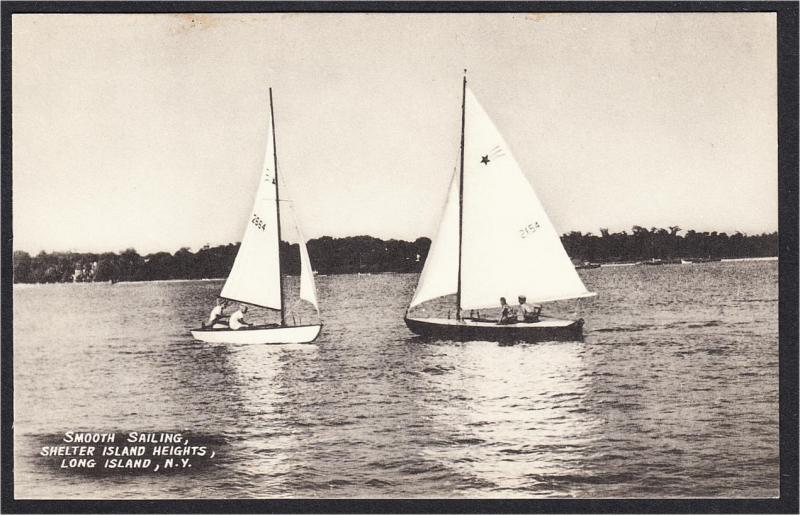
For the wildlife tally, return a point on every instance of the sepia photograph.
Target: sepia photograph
(263, 253)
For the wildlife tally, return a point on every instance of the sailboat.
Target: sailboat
(494, 240)
(256, 278)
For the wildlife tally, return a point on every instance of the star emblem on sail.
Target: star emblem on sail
(496, 152)
(494, 260)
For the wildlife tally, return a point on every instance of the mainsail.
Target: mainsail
(440, 273)
(255, 277)
(508, 246)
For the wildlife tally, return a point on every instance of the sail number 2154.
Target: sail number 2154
(528, 230)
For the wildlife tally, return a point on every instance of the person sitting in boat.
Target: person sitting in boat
(215, 319)
(507, 315)
(237, 319)
(526, 312)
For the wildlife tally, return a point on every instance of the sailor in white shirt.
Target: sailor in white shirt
(526, 312)
(215, 319)
(237, 319)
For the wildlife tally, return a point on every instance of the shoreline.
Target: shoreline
(361, 274)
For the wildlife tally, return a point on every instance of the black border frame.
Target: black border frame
(787, 67)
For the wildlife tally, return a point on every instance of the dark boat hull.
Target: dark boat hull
(469, 330)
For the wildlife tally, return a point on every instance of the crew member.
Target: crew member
(237, 319)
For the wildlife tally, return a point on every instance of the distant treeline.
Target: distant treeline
(366, 254)
(656, 243)
(328, 255)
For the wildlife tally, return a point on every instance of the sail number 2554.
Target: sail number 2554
(258, 222)
(528, 230)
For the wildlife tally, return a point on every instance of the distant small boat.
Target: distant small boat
(685, 262)
(587, 265)
(653, 262)
(256, 276)
(705, 260)
(494, 240)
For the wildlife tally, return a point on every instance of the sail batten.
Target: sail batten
(509, 246)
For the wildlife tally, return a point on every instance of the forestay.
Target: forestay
(255, 276)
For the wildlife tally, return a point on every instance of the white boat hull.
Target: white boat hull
(263, 335)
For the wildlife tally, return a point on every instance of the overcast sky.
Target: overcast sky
(148, 131)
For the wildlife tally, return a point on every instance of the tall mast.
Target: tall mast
(461, 197)
(277, 205)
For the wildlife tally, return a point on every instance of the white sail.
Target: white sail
(293, 232)
(440, 274)
(255, 277)
(308, 291)
(509, 246)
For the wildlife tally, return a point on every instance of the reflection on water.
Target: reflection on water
(517, 404)
(672, 394)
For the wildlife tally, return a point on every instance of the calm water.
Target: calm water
(673, 393)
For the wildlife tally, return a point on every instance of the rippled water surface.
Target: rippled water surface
(673, 393)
